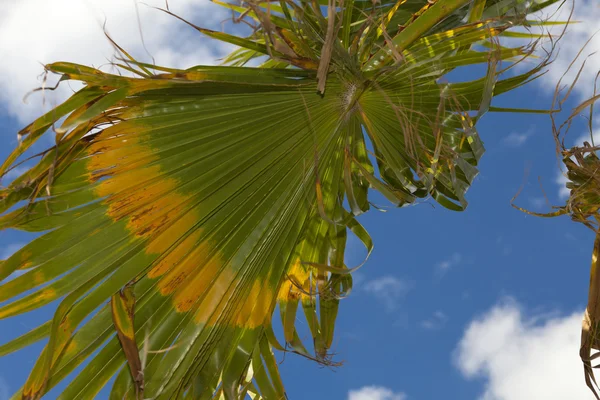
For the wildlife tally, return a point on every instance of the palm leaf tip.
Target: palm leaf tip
(183, 208)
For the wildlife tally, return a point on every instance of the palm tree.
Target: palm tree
(181, 208)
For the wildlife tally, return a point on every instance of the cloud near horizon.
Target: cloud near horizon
(388, 289)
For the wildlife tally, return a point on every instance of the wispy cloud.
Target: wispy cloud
(444, 266)
(388, 289)
(436, 321)
(505, 247)
(357, 280)
(538, 203)
(4, 389)
(563, 191)
(580, 34)
(9, 250)
(375, 393)
(587, 14)
(523, 357)
(517, 139)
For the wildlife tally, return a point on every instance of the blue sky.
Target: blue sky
(484, 304)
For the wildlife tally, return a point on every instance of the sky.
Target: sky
(484, 304)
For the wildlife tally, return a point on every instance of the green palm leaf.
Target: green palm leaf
(202, 200)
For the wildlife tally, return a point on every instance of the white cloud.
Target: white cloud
(594, 138)
(587, 13)
(538, 203)
(375, 393)
(435, 322)
(561, 181)
(523, 358)
(357, 279)
(516, 139)
(35, 32)
(445, 265)
(388, 289)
